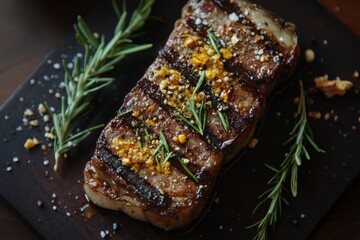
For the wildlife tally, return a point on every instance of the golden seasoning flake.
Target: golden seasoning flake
(253, 143)
(315, 115)
(226, 53)
(182, 138)
(31, 143)
(332, 87)
(135, 113)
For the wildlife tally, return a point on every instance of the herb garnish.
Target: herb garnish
(164, 151)
(86, 79)
(213, 41)
(120, 114)
(224, 120)
(300, 137)
(199, 114)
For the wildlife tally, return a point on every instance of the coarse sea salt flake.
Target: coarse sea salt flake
(56, 65)
(233, 17)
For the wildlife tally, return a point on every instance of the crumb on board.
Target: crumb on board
(356, 74)
(309, 55)
(31, 143)
(253, 143)
(332, 87)
(314, 114)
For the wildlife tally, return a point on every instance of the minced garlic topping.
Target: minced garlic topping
(176, 92)
(205, 57)
(136, 156)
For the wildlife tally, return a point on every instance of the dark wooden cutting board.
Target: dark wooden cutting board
(321, 181)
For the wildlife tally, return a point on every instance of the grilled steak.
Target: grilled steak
(193, 110)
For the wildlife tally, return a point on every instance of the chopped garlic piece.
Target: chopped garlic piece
(332, 87)
(31, 143)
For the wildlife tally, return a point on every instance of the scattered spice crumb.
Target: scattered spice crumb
(57, 95)
(315, 115)
(43, 147)
(32, 81)
(46, 118)
(34, 123)
(296, 100)
(31, 143)
(253, 143)
(28, 112)
(332, 87)
(356, 74)
(49, 135)
(353, 127)
(327, 116)
(42, 109)
(309, 55)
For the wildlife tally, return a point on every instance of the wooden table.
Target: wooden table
(30, 29)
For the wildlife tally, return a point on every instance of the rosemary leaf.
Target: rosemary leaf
(198, 115)
(120, 114)
(224, 120)
(86, 79)
(300, 138)
(213, 41)
(187, 170)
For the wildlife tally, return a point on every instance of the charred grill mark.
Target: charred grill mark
(172, 57)
(228, 7)
(137, 184)
(243, 76)
(152, 91)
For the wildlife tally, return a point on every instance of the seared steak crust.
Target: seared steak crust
(150, 163)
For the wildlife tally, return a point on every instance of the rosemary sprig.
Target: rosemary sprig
(164, 150)
(224, 120)
(198, 114)
(87, 78)
(300, 137)
(213, 41)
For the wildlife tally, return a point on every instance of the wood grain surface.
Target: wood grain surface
(30, 29)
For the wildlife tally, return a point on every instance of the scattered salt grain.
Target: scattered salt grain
(15, 159)
(102, 234)
(233, 17)
(39, 203)
(198, 21)
(46, 162)
(114, 225)
(8, 168)
(56, 65)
